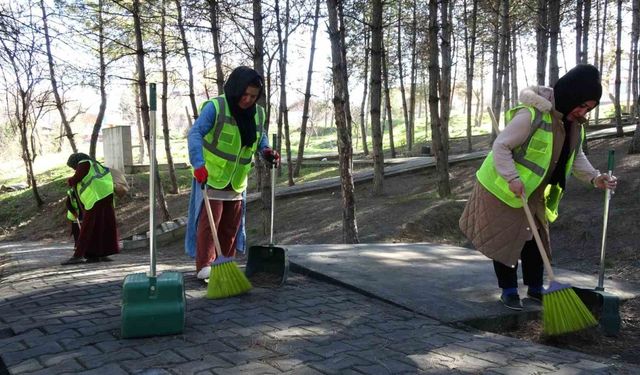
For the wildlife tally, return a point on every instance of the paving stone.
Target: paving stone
(14, 357)
(166, 359)
(197, 352)
(388, 366)
(586, 364)
(54, 359)
(338, 363)
(26, 367)
(523, 370)
(425, 361)
(74, 343)
(110, 369)
(246, 355)
(251, 368)
(331, 350)
(67, 366)
(102, 359)
(206, 363)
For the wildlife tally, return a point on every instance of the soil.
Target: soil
(410, 211)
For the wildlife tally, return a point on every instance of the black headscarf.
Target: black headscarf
(76, 158)
(234, 88)
(579, 85)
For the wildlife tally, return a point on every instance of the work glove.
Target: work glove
(201, 174)
(271, 156)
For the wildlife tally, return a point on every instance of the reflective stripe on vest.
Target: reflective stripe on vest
(96, 185)
(72, 199)
(226, 160)
(532, 161)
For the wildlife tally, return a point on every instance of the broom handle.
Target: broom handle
(605, 220)
(536, 235)
(273, 190)
(212, 224)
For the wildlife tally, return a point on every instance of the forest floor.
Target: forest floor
(410, 211)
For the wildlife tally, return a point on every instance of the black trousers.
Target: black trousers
(532, 268)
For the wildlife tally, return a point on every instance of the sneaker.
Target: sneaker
(73, 260)
(511, 301)
(204, 273)
(536, 296)
(106, 259)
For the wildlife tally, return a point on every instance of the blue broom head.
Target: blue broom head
(555, 286)
(222, 259)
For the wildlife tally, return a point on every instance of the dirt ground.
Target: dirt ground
(410, 211)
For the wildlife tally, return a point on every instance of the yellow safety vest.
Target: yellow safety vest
(96, 185)
(532, 160)
(227, 161)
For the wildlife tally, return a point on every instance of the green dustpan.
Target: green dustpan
(152, 305)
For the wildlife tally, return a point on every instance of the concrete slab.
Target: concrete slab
(447, 283)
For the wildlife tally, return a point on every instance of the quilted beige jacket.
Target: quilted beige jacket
(497, 230)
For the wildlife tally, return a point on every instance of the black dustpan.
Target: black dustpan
(268, 265)
(607, 304)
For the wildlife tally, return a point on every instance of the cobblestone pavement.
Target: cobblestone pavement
(66, 319)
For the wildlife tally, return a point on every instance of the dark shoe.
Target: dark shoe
(536, 296)
(511, 301)
(73, 260)
(106, 259)
(93, 260)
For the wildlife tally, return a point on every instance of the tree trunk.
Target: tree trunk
(504, 53)
(307, 93)
(413, 79)
(437, 127)
(401, 76)
(376, 93)
(187, 57)
(579, 10)
(144, 104)
(138, 111)
(498, 50)
(215, 35)
(365, 83)
(542, 42)
(616, 103)
(283, 116)
(165, 115)
(554, 32)
(264, 180)
(442, 157)
(586, 20)
(602, 43)
(103, 83)
(54, 82)
(388, 101)
(349, 225)
(634, 146)
(470, 44)
(345, 73)
(513, 66)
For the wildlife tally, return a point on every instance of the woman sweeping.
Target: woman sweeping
(533, 156)
(98, 236)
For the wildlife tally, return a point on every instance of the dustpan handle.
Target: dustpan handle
(536, 235)
(152, 180)
(273, 189)
(605, 220)
(212, 224)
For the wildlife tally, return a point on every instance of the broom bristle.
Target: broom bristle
(564, 312)
(226, 280)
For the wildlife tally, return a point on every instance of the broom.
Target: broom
(563, 310)
(225, 279)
